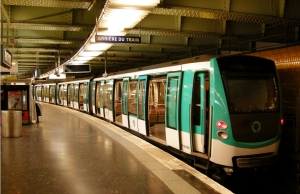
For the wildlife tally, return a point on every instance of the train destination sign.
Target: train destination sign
(118, 39)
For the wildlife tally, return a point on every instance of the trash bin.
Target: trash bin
(11, 123)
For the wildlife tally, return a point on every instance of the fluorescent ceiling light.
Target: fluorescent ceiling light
(117, 17)
(89, 53)
(78, 58)
(97, 46)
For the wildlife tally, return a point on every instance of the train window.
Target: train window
(157, 88)
(141, 99)
(50, 93)
(98, 101)
(42, 92)
(132, 96)
(260, 95)
(69, 95)
(108, 93)
(197, 101)
(93, 93)
(75, 97)
(64, 92)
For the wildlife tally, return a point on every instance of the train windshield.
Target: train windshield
(256, 93)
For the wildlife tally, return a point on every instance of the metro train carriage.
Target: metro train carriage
(74, 94)
(225, 112)
(45, 93)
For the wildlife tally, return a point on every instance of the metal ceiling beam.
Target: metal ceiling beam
(50, 3)
(221, 15)
(33, 60)
(50, 27)
(16, 55)
(40, 50)
(45, 41)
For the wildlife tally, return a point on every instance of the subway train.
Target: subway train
(223, 112)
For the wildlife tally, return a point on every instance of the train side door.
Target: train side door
(118, 101)
(124, 108)
(69, 91)
(85, 94)
(93, 97)
(108, 99)
(102, 84)
(75, 96)
(172, 103)
(142, 105)
(46, 93)
(60, 94)
(199, 112)
(65, 94)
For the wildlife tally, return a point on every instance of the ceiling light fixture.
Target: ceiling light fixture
(116, 19)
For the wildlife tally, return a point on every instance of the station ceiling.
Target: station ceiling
(42, 33)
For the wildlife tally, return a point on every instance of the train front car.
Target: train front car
(246, 115)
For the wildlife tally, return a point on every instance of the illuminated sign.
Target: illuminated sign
(6, 57)
(84, 68)
(117, 39)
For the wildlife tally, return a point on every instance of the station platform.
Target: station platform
(70, 152)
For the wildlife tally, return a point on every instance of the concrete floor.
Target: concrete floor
(72, 152)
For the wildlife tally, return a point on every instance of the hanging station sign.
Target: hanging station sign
(83, 68)
(6, 57)
(118, 39)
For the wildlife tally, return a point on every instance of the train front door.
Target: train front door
(142, 105)
(124, 108)
(172, 109)
(199, 112)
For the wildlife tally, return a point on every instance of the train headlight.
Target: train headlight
(222, 125)
(222, 135)
(228, 170)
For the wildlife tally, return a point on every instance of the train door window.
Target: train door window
(69, 95)
(93, 94)
(110, 94)
(47, 92)
(141, 98)
(98, 101)
(42, 93)
(132, 97)
(75, 96)
(50, 93)
(197, 101)
(86, 95)
(72, 95)
(81, 97)
(172, 93)
(125, 96)
(118, 101)
(59, 93)
(64, 92)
